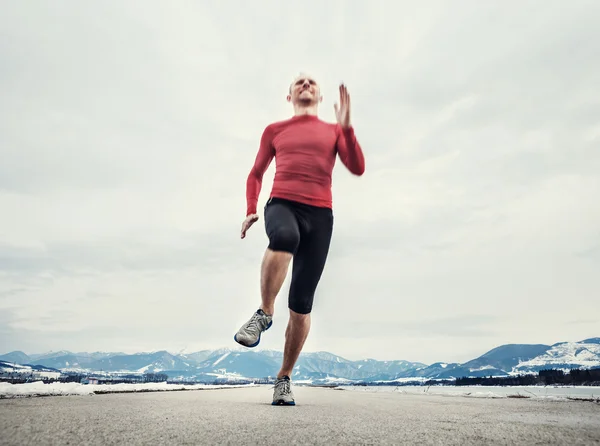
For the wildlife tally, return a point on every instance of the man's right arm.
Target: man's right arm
(265, 155)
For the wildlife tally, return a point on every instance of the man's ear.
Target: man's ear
(288, 98)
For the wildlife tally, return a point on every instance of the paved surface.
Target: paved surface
(322, 416)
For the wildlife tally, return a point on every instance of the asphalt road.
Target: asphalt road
(321, 416)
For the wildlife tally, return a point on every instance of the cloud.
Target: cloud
(463, 326)
(127, 133)
(162, 253)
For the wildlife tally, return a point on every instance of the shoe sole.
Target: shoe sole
(257, 342)
(283, 403)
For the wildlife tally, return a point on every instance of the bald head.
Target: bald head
(303, 77)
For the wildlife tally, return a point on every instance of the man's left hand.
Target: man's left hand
(342, 111)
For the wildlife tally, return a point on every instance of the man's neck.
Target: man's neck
(300, 110)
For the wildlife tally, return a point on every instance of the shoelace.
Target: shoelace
(254, 322)
(285, 384)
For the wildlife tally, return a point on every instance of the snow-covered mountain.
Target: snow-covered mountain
(16, 357)
(142, 362)
(565, 355)
(436, 370)
(515, 359)
(238, 362)
(59, 360)
(499, 361)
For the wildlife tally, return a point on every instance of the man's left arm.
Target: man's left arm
(349, 150)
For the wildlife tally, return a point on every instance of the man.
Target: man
(298, 214)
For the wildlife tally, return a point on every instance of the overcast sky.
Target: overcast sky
(127, 131)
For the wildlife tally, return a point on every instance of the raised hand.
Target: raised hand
(342, 110)
(249, 221)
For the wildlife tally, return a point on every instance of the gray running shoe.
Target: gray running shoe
(249, 334)
(283, 395)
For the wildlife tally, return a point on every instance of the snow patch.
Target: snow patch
(573, 353)
(223, 374)
(221, 358)
(29, 371)
(485, 367)
(15, 367)
(38, 388)
(332, 380)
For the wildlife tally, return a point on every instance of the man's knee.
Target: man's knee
(300, 307)
(284, 239)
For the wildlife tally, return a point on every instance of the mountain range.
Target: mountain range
(239, 363)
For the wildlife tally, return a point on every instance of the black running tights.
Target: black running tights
(304, 231)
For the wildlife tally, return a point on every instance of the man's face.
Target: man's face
(304, 90)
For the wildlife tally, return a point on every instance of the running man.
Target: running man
(298, 214)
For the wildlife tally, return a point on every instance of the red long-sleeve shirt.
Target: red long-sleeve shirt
(305, 149)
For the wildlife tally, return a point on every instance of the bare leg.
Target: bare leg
(273, 271)
(295, 336)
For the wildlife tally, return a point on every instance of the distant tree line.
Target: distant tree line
(115, 379)
(521, 380)
(155, 377)
(71, 378)
(577, 377)
(25, 378)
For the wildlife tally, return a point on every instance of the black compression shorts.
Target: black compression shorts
(304, 231)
